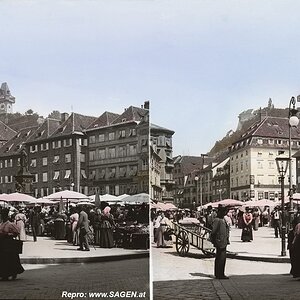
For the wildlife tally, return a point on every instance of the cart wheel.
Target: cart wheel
(182, 243)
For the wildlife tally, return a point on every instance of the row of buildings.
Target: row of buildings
(245, 171)
(77, 152)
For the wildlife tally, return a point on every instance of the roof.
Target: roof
(273, 127)
(45, 130)
(154, 127)
(191, 163)
(104, 120)
(15, 145)
(131, 114)
(75, 123)
(6, 133)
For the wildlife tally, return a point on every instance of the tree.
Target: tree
(55, 114)
(29, 112)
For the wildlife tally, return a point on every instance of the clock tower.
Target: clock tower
(6, 99)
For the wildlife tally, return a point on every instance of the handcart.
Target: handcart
(192, 234)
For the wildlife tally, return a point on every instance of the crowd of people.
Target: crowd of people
(220, 220)
(81, 225)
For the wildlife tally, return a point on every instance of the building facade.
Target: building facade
(161, 139)
(253, 171)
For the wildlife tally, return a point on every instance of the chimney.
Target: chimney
(64, 117)
(147, 105)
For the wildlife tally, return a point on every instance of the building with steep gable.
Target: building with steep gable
(253, 171)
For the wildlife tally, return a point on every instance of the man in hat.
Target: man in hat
(220, 239)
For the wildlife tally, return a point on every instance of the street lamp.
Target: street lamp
(197, 191)
(220, 193)
(282, 165)
(293, 122)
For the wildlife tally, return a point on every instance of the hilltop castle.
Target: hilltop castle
(6, 99)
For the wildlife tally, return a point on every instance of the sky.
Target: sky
(199, 62)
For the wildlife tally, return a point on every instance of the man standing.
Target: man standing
(83, 226)
(220, 239)
(276, 222)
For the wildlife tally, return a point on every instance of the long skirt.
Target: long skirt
(97, 236)
(10, 264)
(295, 258)
(106, 238)
(247, 234)
(21, 226)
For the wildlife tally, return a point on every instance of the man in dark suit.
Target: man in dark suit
(220, 239)
(83, 226)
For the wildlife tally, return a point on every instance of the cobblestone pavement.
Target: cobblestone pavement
(192, 277)
(236, 288)
(50, 281)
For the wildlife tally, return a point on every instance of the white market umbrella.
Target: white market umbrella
(121, 197)
(42, 201)
(229, 202)
(67, 195)
(106, 198)
(18, 197)
(138, 198)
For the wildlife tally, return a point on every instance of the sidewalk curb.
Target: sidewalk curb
(62, 260)
(257, 258)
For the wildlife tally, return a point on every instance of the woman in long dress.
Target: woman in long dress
(20, 220)
(74, 220)
(247, 235)
(10, 264)
(106, 227)
(294, 248)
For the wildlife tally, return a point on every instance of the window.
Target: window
(122, 133)
(259, 141)
(122, 171)
(112, 152)
(279, 142)
(92, 174)
(68, 158)
(56, 144)
(67, 174)
(45, 177)
(145, 164)
(101, 138)
(44, 146)
(10, 163)
(33, 148)
(260, 165)
(132, 132)
(133, 171)
(35, 178)
(242, 166)
(92, 139)
(122, 151)
(56, 175)
(271, 141)
(56, 159)
(45, 161)
(67, 142)
(132, 150)
(82, 157)
(271, 165)
(92, 155)
(33, 163)
(111, 136)
(101, 153)
(83, 174)
(112, 172)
